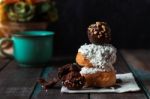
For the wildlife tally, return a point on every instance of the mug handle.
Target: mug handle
(3, 48)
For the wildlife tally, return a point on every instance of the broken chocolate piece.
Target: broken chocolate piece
(47, 84)
(70, 76)
(68, 68)
(74, 80)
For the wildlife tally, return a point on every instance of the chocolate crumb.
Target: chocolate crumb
(116, 86)
(70, 76)
(50, 83)
(47, 84)
(66, 69)
(41, 81)
(118, 81)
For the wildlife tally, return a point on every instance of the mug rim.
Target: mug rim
(33, 33)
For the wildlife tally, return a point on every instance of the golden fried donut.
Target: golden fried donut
(82, 60)
(99, 78)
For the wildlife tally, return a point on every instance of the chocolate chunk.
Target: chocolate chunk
(71, 77)
(74, 80)
(68, 68)
(47, 84)
(50, 84)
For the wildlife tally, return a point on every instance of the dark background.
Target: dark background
(129, 21)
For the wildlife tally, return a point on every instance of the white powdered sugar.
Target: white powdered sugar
(86, 70)
(101, 56)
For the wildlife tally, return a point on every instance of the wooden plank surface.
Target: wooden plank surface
(120, 67)
(139, 60)
(3, 63)
(54, 93)
(17, 82)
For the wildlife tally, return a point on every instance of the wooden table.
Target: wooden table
(20, 83)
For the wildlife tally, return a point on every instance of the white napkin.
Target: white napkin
(128, 84)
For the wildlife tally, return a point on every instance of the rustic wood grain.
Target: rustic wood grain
(121, 67)
(55, 94)
(136, 95)
(140, 63)
(17, 82)
(3, 63)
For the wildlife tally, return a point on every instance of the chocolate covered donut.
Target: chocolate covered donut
(99, 33)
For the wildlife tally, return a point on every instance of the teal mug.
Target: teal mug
(31, 48)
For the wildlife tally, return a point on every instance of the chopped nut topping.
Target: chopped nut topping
(98, 24)
(99, 33)
(95, 32)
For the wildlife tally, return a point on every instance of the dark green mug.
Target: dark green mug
(31, 48)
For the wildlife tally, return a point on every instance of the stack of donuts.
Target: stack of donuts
(98, 57)
(94, 62)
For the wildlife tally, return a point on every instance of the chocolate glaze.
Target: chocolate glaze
(99, 33)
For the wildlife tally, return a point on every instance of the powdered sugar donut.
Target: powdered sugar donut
(96, 77)
(99, 56)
